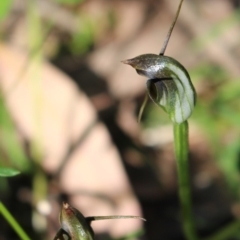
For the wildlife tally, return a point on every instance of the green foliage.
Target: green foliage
(218, 113)
(5, 7)
(215, 32)
(8, 172)
(11, 149)
(82, 40)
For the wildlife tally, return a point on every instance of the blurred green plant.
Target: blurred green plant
(5, 7)
(69, 2)
(12, 153)
(215, 32)
(217, 112)
(8, 172)
(83, 38)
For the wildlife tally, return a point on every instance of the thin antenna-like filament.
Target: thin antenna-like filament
(171, 29)
(95, 218)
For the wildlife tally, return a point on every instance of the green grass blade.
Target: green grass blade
(14, 224)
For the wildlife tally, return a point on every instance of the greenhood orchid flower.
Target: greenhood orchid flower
(169, 84)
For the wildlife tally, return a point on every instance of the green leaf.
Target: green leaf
(8, 172)
(5, 6)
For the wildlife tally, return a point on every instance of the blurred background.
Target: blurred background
(69, 108)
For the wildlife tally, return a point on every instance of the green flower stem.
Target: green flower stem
(14, 224)
(181, 152)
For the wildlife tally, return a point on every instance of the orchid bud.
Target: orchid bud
(74, 226)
